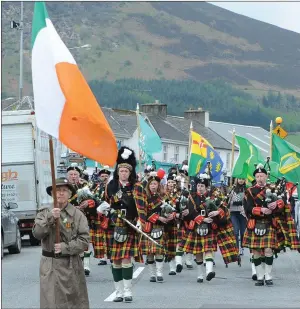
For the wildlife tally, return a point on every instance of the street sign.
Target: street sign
(279, 131)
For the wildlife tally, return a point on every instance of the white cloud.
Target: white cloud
(282, 14)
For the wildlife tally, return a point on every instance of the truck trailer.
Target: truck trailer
(26, 170)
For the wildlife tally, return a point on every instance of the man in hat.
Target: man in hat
(62, 286)
(260, 235)
(100, 247)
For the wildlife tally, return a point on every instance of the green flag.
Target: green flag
(248, 156)
(287, 158)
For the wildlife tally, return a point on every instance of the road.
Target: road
(232, 287)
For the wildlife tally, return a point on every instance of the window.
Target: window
(187, 153)
(176, 154)
(165, 151)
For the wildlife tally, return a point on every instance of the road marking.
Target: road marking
(135, 275)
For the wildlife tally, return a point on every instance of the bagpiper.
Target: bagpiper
(101, 245)
(83, 199)
(123, 240)
(260, 235)
(150, 205)
(209, 227)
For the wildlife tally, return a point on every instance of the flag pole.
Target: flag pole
(232, 155)
(271, 139)
(189, 149)
(139, 132)
(57, 230)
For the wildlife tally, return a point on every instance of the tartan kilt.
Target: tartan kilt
(172, 239)
(227, 243)
(180, 233)
(92, 236)
(127, 249)
(269, 240)
(286, 231)
(148, 247)
(100, 242)
(193, 243)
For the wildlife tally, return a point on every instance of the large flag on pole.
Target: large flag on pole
(200, 153)
(249, 155)
(287, 158)
(149, 140)
(65, 106)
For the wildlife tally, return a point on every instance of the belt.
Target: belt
(54, 255)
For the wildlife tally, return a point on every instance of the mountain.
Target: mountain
(144, 40)
(164, 40)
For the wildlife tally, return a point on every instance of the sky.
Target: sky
(282, 14)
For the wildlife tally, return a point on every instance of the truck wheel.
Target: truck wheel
(16, 248)
(33, 241)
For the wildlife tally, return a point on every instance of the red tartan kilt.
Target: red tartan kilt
(92, 236)
(180, 233)
(127, 249)
(287, 235)
(193, 243)
(101, 240)
(148, 247)
(172, 240)
(269, 240)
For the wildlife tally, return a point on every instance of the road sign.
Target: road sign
(279, 131)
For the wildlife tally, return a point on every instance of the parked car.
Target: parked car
(10, 230)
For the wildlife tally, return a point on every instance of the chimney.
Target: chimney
(198, 114)
(155, 108)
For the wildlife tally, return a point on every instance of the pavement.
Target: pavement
(232, 287)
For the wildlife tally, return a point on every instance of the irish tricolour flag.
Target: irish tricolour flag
(65, 106)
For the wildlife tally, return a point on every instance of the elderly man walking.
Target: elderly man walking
(62, 278)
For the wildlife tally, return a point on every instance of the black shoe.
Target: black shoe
(128, 299)
(269, 282)
(86, 272)
(189, 266)
(152, 279)
(254, 277)
(118, 299)
(102, 263)
(210, 275)
(259, 283)
(199, 280)
(172, 273)
(178, 268)
(160, 279)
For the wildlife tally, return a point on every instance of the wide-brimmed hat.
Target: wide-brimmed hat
(59, 183)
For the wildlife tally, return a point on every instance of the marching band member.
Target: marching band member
(123, 239)
(260, 235)
(207, 229)
(62, 279)
(100, 245)
(171, 227)
(184, 184)
(86, 205)
(149, 204)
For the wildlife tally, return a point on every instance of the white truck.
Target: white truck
(26, 170)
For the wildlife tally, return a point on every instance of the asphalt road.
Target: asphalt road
(232, 287)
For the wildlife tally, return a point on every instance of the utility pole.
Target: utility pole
(21, 54)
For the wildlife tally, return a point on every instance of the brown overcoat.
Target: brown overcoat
(62, 280)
